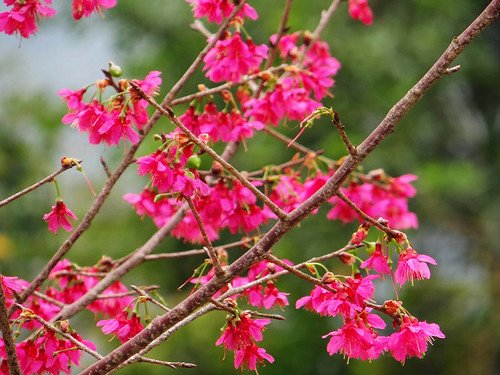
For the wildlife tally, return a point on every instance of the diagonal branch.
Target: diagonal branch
(8, 339)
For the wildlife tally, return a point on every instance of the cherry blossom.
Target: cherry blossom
(217, 10)
(412, 338)
(59, 217)
(231, 58)
(22, 17)
(412, 265)
(122, 326)
(359, 10)
(84, 8)
(377, 261)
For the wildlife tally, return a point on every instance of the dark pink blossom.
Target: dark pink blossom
(412, 338)
(359, 10)
(122, 326)
(232, 58)
(217, 10)
(22, 17)
(59, 217)
(240, 336)
(84, 8)
(377, 261)
(412, 265)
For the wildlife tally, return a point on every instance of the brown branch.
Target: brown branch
(43, 181)
(197, 251)
(167, 111)
(126, 294)
(343, 135)
(391, 233)
(172, 365)
(148, 298)
(8, 339)
(387, 126)
(105, 167)
(219, 271)
(126, 161)
(48, 299)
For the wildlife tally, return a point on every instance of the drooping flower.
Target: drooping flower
(412, 265)
(377, 261)
(122, 326)
(240, 336)
(359, 10)
(217, 10)
(232, 58)
(412, 338)
(84, 8)
(22, 17)
(59, 217)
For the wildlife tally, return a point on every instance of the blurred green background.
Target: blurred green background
(450, 140)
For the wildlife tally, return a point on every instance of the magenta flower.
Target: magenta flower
(377, 261)
(122, 326)
(217, 10)
(412, 339)
(232, 58)
(355, 340)
(240, 336)
(59, 217)
(22, 17)
(359, 10)
(412, 265)
(84, 8)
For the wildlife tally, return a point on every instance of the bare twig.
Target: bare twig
(219, 271)
(148, 298)
(105, 167)
(199, 26)
(127, 294)
(8, 339)
(341, 128)
(172, 365)
(391, 233)
(43, 181)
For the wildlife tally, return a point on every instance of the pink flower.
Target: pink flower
(217, 10)
(377, 261)
(412, 338)
(22, 17)
(84, 8)
(232, 58)
(122, 326)
(355, 340)
(412, 265)
(12, 284)
(59, 217)
(359, 10)
(250, 356)
(240, 336)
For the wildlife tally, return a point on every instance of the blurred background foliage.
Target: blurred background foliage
(450, 140)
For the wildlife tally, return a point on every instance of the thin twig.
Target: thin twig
(219, 271)
(43, 181)
(8, 339)
(148, 298)
(226, 86)
(105, 167)
(48, 299)
(285, 165)
(127, 294)
(391, 233)
(341, 128)
(198, 251)
(173, 365)
(167, 111)
(199, 26)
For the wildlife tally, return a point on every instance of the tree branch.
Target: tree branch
(8, 339)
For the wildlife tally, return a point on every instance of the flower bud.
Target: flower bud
(216, 168)
(193, 162)
(115, 70)
(64, 325)
(328, 278)
(347, 258)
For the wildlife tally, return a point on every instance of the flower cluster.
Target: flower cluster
(115, 119)
(123, 326)
(21, 18)
(351, 299)
(47, 353)
(240, 336)
(217, 10)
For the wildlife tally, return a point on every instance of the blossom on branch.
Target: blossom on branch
(22, 17)
(59, 217)
(217, 10)
(412, 265)
(84, 8)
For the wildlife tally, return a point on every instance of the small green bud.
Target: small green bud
(194, 162)
(115, 70)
